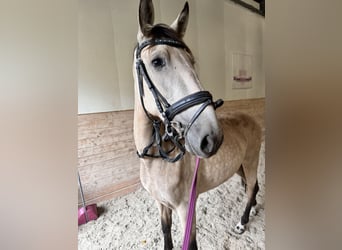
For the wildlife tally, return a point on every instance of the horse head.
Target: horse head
(168, 86)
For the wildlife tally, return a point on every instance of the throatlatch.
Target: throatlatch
(174, 131)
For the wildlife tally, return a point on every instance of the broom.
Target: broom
(85, 213)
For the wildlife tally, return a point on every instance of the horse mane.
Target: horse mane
(162, 31)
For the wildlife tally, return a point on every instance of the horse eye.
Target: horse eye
(158, 62)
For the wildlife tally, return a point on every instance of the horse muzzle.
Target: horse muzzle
(210, 144)
(204, 141)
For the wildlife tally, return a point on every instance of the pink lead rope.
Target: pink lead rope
(191, 208)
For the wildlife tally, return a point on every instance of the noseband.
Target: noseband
(174, 131)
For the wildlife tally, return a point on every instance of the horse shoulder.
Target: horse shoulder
(240, 130)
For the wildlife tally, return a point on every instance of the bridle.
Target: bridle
(174, 131)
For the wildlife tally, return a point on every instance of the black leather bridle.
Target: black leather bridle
(174, 131)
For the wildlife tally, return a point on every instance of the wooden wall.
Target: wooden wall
(107, 160)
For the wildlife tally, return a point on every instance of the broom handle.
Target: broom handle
(82, 196)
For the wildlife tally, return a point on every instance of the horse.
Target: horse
(175, 119)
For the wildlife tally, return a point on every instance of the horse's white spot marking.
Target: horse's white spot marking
(254, 211)
(239, 228)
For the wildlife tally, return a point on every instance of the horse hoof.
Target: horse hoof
(239, 228)
(254, 211)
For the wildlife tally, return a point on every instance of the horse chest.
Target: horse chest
(163, 181)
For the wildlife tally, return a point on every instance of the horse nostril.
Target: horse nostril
(207, 145)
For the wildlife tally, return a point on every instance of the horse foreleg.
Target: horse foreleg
(182, 214)
(166, 222)
(243, 177)
(252, 192)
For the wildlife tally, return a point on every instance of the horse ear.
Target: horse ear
(146, 17)
(181, 22)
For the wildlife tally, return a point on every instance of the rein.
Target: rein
(174, 131)
(191, 208)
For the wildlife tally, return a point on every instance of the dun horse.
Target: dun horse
(174, 115)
